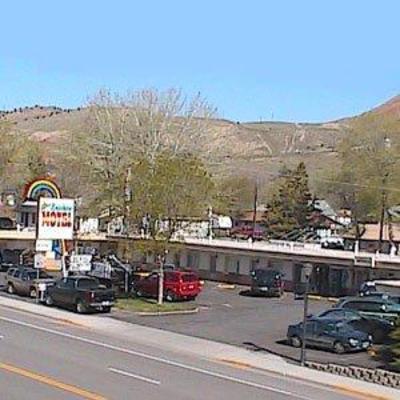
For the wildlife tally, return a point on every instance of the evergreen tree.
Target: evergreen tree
(290, 206)
(395, 348)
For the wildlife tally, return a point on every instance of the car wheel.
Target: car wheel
(49, 301)
(106, 310)
(170, 296)
(32, 292)
(338, 348)
(10, 288)
(137, 293)
(80, 307)
(295, 341)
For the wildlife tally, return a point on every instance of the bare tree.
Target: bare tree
(140, 125)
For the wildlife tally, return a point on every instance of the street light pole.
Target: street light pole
(307, 274)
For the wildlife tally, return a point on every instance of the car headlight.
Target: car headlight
(353, 342)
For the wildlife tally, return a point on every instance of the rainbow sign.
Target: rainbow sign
(42, 188)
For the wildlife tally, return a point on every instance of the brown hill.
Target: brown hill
(391, 108)
(257, 149)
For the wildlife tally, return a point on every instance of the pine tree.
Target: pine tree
(290, 206)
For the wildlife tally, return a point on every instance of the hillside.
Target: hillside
(257, 148)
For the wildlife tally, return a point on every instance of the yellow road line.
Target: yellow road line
(358, 394)
(52, 382)
(233, 363)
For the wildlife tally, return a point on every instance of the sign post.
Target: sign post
(307, 275)
(56, 222)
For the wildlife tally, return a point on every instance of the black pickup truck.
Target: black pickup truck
(80, 293)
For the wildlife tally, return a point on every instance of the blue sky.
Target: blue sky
(287, 60)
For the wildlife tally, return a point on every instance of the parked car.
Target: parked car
(333, 242)
(384, 296)
(367, 288)
(81, 294)
(25, 280)
(9, 272)
(178, 285)
(378, 328)
(247, 232)
(4, 267)
(371, 306)
(266, 282)
(337, 336)
(6, 223)
(389, 286)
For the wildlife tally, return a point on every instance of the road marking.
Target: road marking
(129, 374)
(356, 394)
(52, 382)
(158, 359)
(234, 363)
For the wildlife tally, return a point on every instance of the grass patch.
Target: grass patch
(150, 305)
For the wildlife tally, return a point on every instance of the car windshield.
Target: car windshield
(88, 284)
(266, 274)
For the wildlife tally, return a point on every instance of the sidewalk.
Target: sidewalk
(235, 356)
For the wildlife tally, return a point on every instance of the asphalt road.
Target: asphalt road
(44, 359)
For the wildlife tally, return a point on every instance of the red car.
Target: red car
(246, 232)
(178, 285)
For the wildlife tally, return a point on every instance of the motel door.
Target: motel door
(213, 263)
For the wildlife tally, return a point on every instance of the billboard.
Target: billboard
(55, 219)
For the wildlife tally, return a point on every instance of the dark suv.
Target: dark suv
(371, 306)
(337, 336)
(266, 282)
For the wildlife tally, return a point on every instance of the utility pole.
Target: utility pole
(210, 214)
(387, 164)
(125, 221)
(382, 216)
(255, 200)
(127, 199)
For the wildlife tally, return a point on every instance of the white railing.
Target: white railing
(295, 248)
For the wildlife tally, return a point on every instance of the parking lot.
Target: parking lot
(257, 323)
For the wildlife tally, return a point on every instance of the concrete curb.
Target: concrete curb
(163, 313)
(316, 297)
(226, 286)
